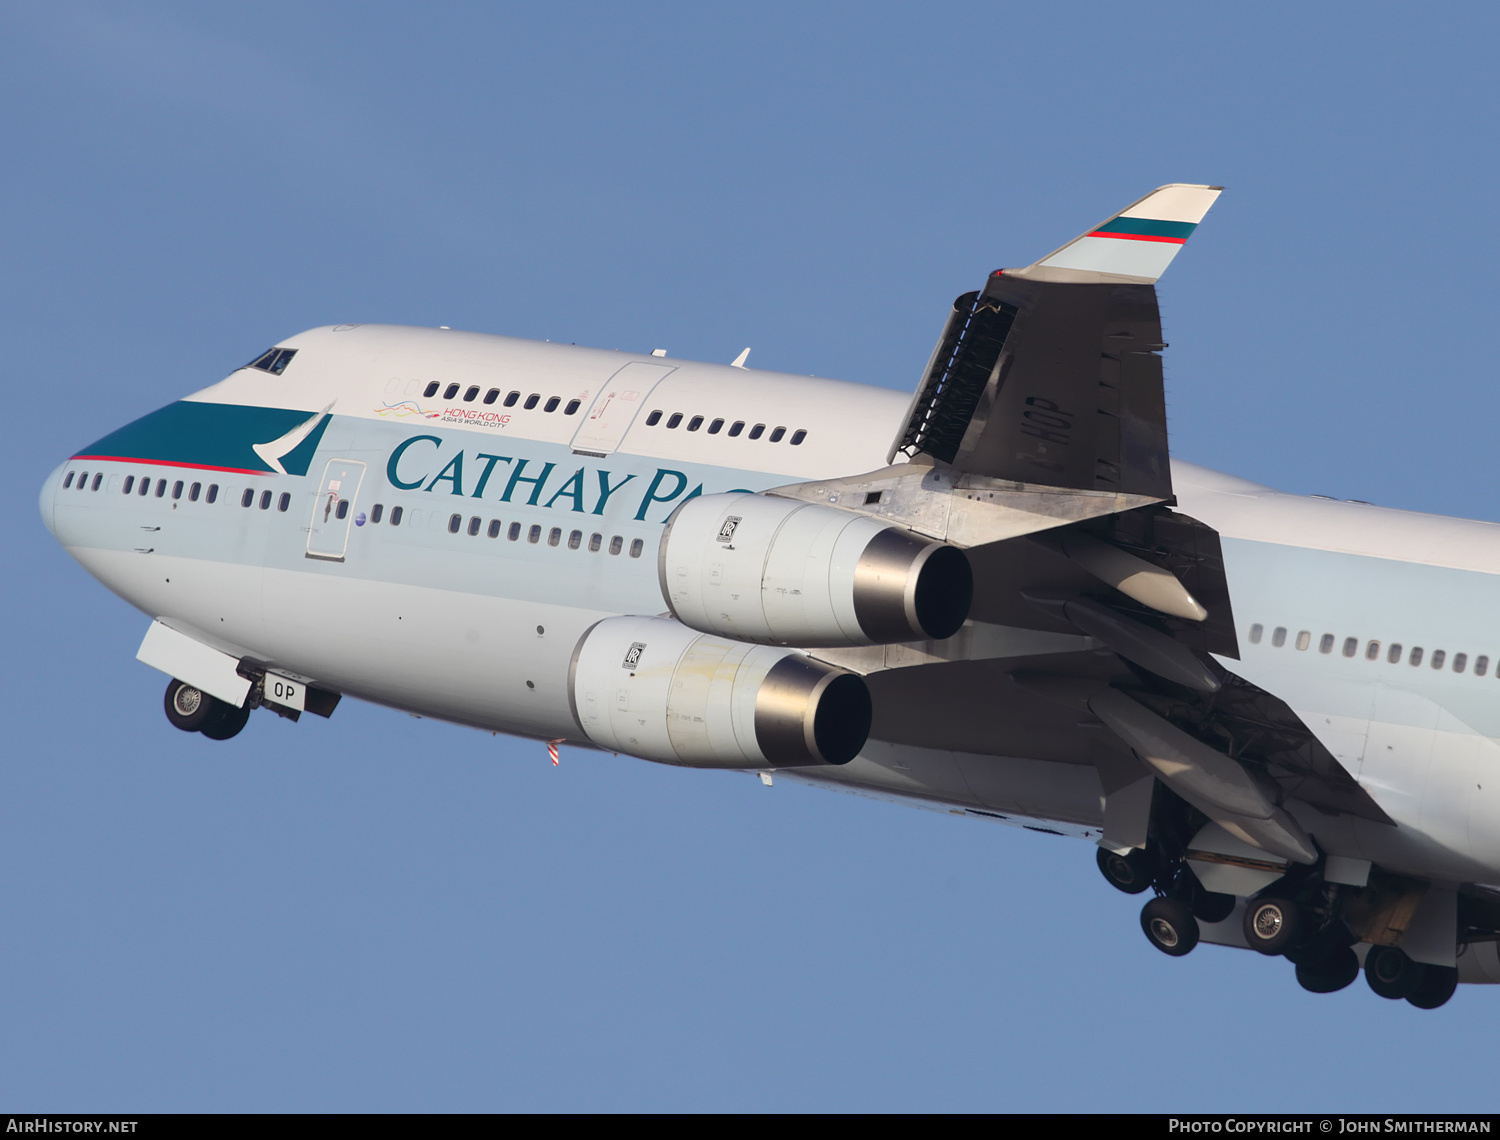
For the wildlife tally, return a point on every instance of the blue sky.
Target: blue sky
(382, 913)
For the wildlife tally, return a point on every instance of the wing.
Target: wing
(1050, 373)
(1037, 440)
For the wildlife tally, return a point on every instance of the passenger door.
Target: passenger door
(333, 509)
(615, 407)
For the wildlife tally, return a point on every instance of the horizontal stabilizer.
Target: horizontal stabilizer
(1136, 245)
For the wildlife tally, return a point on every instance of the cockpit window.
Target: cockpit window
(273, 360)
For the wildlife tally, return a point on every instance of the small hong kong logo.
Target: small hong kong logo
(403, 409)
(633, 655)
(727, 528)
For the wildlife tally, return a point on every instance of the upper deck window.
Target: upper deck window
(273, 360)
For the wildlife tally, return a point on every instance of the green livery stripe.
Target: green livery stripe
(216, 437)
(1146, 227)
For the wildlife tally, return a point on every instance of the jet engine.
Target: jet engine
(656, 689)
(779, 572)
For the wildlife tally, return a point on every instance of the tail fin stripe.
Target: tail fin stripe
(1146, 227)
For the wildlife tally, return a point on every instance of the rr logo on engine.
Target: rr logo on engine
(726, 528)
(633, 656)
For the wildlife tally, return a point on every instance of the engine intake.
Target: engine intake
(779, 572)
(658, 690)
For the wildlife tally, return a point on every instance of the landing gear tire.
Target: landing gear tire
(1170, 926)
(1211, 907)
(1330, 973)
(228, 723)
(1391, 974)
(1131, 872)
(189, 708)
(1434, 987)
(1272, 925)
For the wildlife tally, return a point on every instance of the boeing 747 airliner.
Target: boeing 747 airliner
(1279, 716)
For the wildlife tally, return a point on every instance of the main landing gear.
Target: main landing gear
(1306, 928)
(1169, 921)
(193, 710)
(1391, 974)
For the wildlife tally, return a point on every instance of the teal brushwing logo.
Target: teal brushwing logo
(218, 437)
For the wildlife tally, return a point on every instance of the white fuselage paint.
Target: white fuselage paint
(481, 630)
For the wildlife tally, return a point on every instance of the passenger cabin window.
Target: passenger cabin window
(651, 421)
(454, 522)
(573, 406)
(554, 536)
(636, 546)
(450, 391)
(695, 423)
(716, 427)
(1393, 654)
(376, 511)
(213, 493)
(551, 404)
(736, 427)
(531, 401)
(273, 360)
(510, 400)
(1438, 656)
(1256, 631)
(129, 484)
(1325, 645)
(161, 488)
(674, 419)
(1372, 651)
(265, 500)
(534, 535)
(595, 541)
(396, 513)
(284, 503)
(494, 531)
(575, 540)
(475, 523)
(1460, 662)
(177, 489)
(1278, 639)
(472, 394)
(492, 395)
(798, 436)
(194, 491)
(68, 480)
(98, 478)
(1416, 655)
(1481, 666)
(1304, 639)
(514, 532)
(1351, 646)
(777, 433)
(431, 390)
(616, 544)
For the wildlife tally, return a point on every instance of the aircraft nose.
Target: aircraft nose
(48, 498)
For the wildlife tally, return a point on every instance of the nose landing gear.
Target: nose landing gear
(193, 710)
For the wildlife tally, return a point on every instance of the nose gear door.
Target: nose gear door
(333, 509)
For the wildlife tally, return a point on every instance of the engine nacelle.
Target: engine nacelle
(779, 572)
(656, 689)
